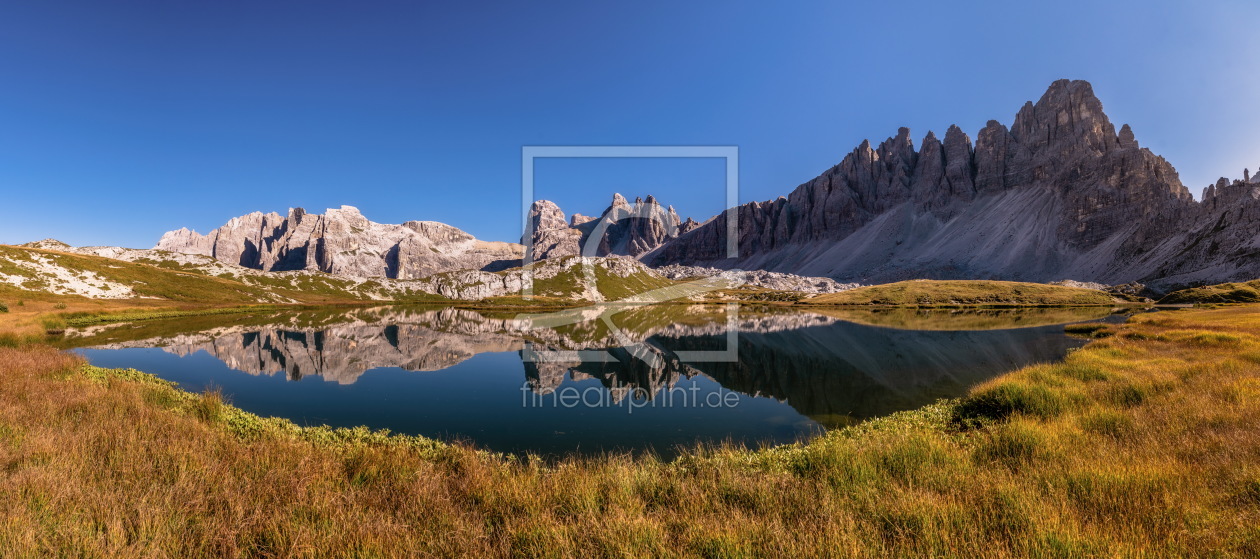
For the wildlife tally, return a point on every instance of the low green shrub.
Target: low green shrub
(1004, 400)
(53, 324)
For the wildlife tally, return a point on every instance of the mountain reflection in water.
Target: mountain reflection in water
(822, 370)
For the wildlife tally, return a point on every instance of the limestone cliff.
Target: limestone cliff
(343, 242)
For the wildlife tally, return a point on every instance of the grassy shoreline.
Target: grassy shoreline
(1143, 442)
(967, 293)
(33, 315)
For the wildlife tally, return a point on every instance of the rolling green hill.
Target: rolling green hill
(39, 273)
(1248, 292)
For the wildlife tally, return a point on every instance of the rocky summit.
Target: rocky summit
(343, 242)
(1059, 193)
(623, 229)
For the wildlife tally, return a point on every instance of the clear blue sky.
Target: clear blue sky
(121, 120)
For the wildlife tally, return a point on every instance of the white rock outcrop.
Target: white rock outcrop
(344, 243)
(759, 278)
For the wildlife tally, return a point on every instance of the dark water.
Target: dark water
(639, 378)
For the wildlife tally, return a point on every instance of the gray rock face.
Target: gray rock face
(343, 242)
(552, 235)
(624, 229)
(1221, 243)
(1060, 193)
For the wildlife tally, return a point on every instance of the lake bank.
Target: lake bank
(970, 293)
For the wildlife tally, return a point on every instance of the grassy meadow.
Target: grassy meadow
(1146, 442)
(953, 293)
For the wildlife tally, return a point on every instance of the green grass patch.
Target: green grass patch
(209, 407)
(1088, 329)
(53, 324)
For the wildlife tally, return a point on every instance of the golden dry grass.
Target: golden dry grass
(1145, 443)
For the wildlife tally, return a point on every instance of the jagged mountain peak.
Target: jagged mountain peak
(1059, 190)
(1068, 116)
(622, 229)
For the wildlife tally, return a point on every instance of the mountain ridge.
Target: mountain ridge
(343, 242)
(1061, 193)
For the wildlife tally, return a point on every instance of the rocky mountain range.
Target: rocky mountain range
(343, 242)
(1059, 194)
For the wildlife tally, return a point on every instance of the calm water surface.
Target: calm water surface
(590, 380)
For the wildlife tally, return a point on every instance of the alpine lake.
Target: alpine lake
(636, 378)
